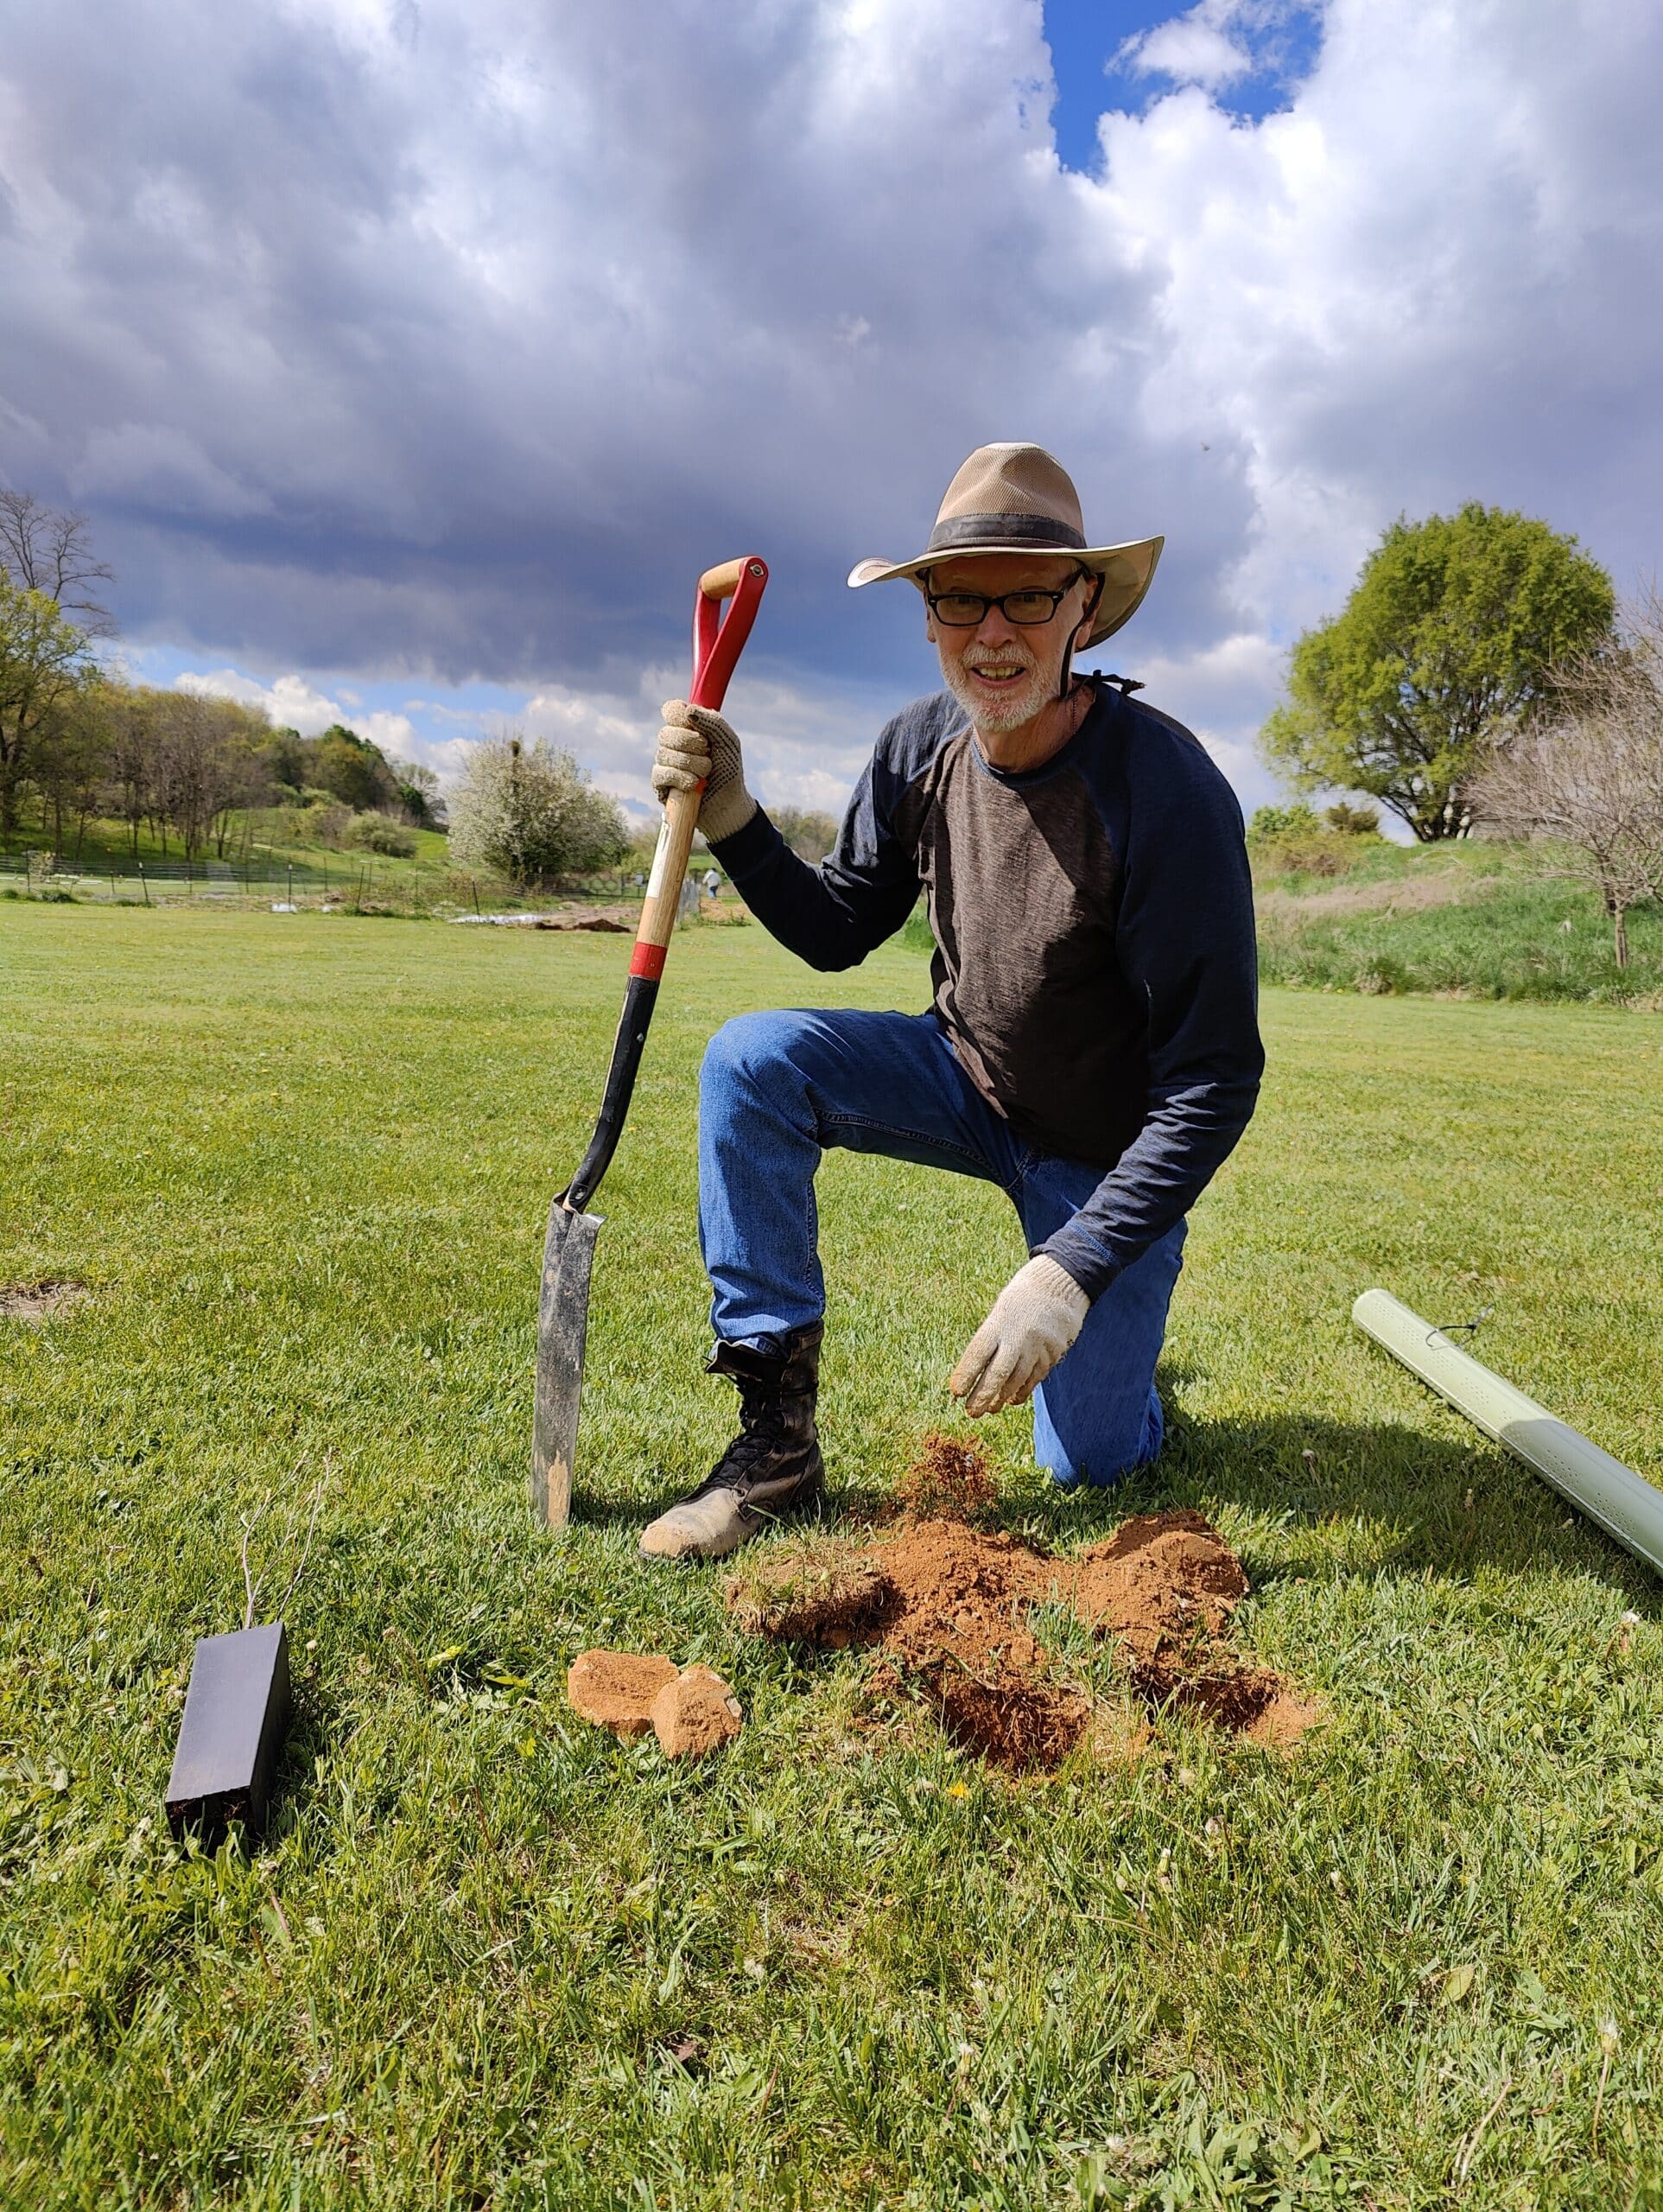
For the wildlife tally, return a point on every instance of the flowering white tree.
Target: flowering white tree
(1588, 780)
(531, 814)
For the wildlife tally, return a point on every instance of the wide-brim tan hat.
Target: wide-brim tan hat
(1015, 498)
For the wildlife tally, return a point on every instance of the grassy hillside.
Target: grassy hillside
(1472, 920)
(487, 1955)
(105, 864)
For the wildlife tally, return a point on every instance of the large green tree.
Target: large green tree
(354, 768)
(1444, 648)
(43, 660)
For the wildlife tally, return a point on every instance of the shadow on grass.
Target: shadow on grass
(1386, 1498)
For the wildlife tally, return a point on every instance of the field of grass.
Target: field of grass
(1472, 920)
(488, 1957)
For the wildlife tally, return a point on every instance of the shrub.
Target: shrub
(1348, 821)
(1270, 823)
(374, 833)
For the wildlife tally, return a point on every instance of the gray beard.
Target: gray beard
(1002, 714)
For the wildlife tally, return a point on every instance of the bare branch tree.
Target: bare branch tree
(1588, 780)
(135, 722)
(204, 761)
(50, 550)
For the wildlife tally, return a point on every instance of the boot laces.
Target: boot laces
(763, 1427)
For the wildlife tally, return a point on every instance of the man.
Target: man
(1093, 1045)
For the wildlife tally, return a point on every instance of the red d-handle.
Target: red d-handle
(719, 639)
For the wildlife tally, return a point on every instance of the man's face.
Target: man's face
(1002, 673)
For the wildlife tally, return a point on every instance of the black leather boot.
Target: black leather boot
(772, 1468)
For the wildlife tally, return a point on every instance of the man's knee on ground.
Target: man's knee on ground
(1073, 1452)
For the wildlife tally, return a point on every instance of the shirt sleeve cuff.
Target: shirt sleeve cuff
(1078, 1255)
(748, 847)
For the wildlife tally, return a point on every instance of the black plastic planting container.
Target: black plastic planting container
(236, 1717)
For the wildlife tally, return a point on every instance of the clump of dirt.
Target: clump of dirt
(615, 1689)
(695, 1712)
(949, 1480)
(811, 1593)
(947, 1608)
(958, 1630)
(38, 1301)
(1162, 1584)
(690, 1709)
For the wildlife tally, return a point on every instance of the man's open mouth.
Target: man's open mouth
(1000, 673)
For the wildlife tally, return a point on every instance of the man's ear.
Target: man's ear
(1092, 600)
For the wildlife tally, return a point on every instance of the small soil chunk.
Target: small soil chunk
(695, 1712)
(616, 1689)
(1284, 1722)
(949, 1480)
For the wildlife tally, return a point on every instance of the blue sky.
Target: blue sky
(1094, 70)
(411, 358)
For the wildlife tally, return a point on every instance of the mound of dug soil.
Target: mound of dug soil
(948, 1608)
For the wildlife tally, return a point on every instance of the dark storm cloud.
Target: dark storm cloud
(450, 340)
(453, 340)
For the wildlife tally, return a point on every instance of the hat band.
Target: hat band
(1005, 530)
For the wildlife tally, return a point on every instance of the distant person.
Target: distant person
(1093, 1046)
(713, 883)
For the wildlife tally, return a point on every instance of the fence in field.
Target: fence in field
(251, 875)
(266, 876)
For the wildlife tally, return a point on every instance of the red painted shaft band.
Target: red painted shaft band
(649, 961)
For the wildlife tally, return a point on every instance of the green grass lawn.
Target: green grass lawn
(302, 1165)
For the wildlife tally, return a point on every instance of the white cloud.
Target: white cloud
(1190, 49)
(453, 346)
(293, 701)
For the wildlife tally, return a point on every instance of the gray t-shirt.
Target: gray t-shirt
(1095, 966)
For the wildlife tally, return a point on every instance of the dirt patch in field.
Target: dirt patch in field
(39, 1301)
(947, 1607)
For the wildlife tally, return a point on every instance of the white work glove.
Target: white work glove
(1035, 1318)
(695, 746)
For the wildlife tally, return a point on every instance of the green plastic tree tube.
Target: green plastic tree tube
(1621, 1502)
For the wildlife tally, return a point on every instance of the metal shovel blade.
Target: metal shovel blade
(562, 1331)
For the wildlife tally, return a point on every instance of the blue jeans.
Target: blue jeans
(777, 1089)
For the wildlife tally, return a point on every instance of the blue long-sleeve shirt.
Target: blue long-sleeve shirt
(1095, 969)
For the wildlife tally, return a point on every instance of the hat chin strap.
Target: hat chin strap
(1068, 651)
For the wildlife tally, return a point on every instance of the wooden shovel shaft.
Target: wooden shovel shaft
(568, 1251)
(716, 646)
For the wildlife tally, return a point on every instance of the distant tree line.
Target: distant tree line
(77, 744)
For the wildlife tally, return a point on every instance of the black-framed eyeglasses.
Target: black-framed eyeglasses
(967, 610)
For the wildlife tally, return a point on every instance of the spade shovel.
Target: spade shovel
(568, 1249)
